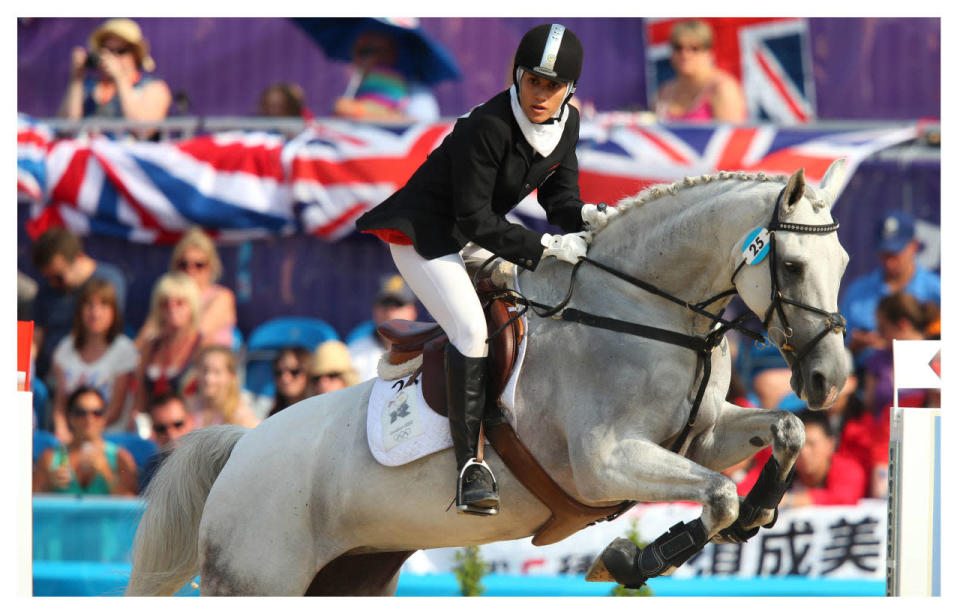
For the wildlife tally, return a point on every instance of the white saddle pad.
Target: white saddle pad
(401, 427)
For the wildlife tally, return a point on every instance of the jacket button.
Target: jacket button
(526, 186)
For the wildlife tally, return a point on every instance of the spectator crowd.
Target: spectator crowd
(97, 389)
(104, 387)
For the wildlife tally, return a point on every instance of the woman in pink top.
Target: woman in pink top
(196, 255)
(701, 92)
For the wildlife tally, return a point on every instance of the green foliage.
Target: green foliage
(633, 534)
(470, 570)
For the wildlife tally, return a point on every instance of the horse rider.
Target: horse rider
(522, 139)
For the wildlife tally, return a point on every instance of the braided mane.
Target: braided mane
(671, 189)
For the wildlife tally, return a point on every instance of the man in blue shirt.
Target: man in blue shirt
(59, 259)
(898, 272)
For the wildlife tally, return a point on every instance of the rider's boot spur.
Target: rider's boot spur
(477, 491)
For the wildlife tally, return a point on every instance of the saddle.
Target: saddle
(411, 339)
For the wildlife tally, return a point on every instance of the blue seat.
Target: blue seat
(41, 403)
(361, 330)
(237, 339)
(140, 449)
(268, 338)
(42, 441)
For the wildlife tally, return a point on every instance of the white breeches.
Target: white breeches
(444, 288)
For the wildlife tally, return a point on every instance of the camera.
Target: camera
(93, 61)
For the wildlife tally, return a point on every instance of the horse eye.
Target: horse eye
(792, 267)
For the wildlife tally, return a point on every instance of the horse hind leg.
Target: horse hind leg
(370, 575)
(256, 559)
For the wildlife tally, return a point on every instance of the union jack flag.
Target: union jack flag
(241, 185)
(770, 56)
(623, 157)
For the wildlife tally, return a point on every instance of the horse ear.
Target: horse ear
(833, 180)
(792, 194)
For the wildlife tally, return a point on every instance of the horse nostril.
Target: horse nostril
(818, 382)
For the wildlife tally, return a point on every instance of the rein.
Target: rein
(705, 345)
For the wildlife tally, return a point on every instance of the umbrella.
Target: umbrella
(419, 57)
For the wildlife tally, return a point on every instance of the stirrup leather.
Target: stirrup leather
(474, 509)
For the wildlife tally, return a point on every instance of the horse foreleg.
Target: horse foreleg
(639, 470)
(737, 434)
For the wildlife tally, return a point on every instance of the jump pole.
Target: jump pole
(913, 496)
(24, 469)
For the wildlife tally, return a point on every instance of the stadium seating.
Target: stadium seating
(363, 329)
(42, 440)
(140, 449)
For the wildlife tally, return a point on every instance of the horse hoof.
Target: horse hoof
(598, 572)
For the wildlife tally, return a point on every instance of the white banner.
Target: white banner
(819, 541)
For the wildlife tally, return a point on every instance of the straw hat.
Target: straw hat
(333, 357)
(129, 31)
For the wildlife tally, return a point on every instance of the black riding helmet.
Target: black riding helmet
(550, 51)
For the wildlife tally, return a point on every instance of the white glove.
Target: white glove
(569, 247)
(597, 216)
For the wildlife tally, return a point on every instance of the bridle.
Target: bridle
(833, 321)
(705, 345)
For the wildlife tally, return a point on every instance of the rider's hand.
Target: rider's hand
(569, 247)
(597, 216)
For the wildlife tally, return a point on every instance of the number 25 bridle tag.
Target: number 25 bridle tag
(756, 246)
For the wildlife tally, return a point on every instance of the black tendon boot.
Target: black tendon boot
(625, 563)
(477, 491)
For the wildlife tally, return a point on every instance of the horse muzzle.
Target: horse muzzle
(820, 376)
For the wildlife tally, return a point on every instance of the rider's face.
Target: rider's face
(539, 97)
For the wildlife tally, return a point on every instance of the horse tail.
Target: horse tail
(165, 548)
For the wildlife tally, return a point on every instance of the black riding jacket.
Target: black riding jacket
(480, 171)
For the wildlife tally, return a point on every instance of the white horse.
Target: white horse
(262, 511)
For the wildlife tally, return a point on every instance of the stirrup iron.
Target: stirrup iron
(465, 508)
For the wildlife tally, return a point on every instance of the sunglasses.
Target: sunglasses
(281, 370)
(691, 48)
(328, 375)
(80, 412)
(186, 265)
(161, 429)
(116, 50)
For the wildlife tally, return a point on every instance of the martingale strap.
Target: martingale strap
(696, 344)
(703, 346)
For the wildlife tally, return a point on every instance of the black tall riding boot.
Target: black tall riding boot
(477, 491)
